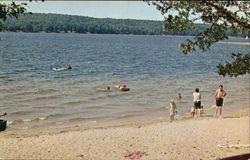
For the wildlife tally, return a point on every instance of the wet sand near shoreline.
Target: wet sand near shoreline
(207, 137)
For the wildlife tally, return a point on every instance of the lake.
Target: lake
(152, 67)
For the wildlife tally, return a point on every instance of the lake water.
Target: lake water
(152, 66)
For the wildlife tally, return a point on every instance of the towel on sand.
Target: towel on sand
(135, 155)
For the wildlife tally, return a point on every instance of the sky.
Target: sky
(97, 9)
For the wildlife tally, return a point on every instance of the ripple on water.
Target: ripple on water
(156, 73)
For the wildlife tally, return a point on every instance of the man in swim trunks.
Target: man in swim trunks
(219, 95)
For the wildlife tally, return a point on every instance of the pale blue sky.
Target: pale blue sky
(99, 9)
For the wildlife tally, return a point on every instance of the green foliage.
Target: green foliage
(11, 10)
(230, 17)
(182, 15)
(81, 24)
(240, 65)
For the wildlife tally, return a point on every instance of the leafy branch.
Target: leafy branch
(220, 15)
(240, 65)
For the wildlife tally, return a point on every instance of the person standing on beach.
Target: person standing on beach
(219, 95)
(172, 110)
(197, 102)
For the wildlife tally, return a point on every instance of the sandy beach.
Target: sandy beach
(200, 138)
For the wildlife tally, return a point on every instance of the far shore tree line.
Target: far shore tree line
(58, 23)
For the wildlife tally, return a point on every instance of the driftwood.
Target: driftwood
(234, 145)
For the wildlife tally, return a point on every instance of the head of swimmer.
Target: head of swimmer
(69, 67)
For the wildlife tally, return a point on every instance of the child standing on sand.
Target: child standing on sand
(172, 110)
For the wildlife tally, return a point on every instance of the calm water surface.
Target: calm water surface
(152, 66)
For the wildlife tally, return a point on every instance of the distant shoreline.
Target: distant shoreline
(167, 35)
(57, 23)
(237, 43)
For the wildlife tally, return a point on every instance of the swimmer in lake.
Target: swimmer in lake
(63, 69)
(122, 88)
(4, 114)
(69, 67)
(179, 97)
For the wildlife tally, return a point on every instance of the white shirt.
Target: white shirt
(197, 96)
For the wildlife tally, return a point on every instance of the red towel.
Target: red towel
(135, 155)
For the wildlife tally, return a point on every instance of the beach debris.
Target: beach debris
(81, 155)
(135, 155)
(233, 145)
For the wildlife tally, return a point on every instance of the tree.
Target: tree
(239, 67)
(219, 15)
(11, 10)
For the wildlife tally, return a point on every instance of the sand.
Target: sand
(200, 138)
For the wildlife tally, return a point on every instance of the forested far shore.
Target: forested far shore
(40, 22)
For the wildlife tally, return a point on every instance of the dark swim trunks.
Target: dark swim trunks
(197, 104)
(219, 102)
